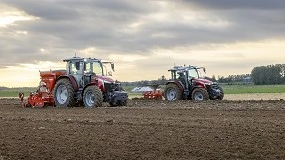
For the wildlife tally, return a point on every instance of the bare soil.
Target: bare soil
(255, 96)
(253, 129)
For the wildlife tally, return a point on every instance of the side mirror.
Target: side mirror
(113, 66)
(204, 69)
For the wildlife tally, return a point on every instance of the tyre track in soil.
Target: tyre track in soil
(145, 129)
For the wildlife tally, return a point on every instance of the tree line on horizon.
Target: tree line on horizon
(231, 78)
(270, 74)
(261, 75)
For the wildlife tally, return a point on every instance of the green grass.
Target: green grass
(14, 92)
(228, 89)
(134, 95)
(244, 89)
(234, 89)
(128, 88)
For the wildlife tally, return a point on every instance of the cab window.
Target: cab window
(97, 68)
(76, 67)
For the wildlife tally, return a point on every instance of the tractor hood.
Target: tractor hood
(105, 79)
(203, 81)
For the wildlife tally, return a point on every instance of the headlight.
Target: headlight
(208, 85)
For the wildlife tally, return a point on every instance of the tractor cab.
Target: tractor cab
(191, 71)
(83, 69)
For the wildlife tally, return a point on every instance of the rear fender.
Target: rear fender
(72, 79)
(177, 83)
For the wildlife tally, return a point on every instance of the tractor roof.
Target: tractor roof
(182, 68)
(81, 59)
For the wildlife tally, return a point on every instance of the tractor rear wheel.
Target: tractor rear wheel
(199, 94)
(64, 93)
(92, 97)
(172, 92)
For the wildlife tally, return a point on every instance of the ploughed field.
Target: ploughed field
(145, 129)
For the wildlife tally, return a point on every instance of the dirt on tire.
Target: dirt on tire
(203, 92)
(95, 92)
(145, 129)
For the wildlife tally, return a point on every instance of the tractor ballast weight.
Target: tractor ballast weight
(187, 83)
(84, 82)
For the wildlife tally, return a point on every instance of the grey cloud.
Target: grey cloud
(74, 9)
(117, 6)
(67, 26)
(50, 10)
(237, 4)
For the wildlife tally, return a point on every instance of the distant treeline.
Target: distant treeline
(271, 74)
(232, 78)
(159, 81)
(3, 88)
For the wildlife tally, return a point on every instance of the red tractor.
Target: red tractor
(84, 82)
(187, 83)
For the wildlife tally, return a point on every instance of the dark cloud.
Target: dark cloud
(236, 4)
(50, 10)
(73, 9)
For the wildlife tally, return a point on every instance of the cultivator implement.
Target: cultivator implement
(149, 92)
(37, 99)
(42, 96)
(152, 94)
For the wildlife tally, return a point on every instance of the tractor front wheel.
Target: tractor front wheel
(200, 94)
(222, 94)
(92, 97)
(64, 93)
(172, 92)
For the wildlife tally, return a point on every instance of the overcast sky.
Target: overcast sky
(143, 38)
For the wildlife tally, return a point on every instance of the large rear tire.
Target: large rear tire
(172, 92)
(92, 97)
(199, 94)
(64, 93)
